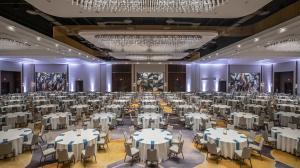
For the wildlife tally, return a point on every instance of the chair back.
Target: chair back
(127, 149)
(5, 128)
(96, 123)
(152, 155)
(246, 153)
(62, 155)
(62, 120)
(20, 119)
(212, 148)
(252, 134)
(35, 139)
(6, 148)
(242, 121)
(90, 150)
(170, 128)
(261, 143)
(31, 126)
(291, 125)
(230, 126)
(180, 146)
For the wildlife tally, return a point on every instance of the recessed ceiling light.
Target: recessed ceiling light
(79, 53)
(217, 53)
(70, 50)
(159, 63)
(148, 62)
(11, 28)
(56, 45)
(38, 38)
(256, 39)
(239, 46)
(282, 30)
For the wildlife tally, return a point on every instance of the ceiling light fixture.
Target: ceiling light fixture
(11, 28)
(150, 6)
(282, 30)
(38, 38)
(10, 44)
(256, 39)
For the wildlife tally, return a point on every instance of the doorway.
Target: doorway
(283, 82)
(10, 82)
(79, 85)
(222, 86)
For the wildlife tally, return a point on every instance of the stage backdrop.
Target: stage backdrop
(247, 82)
(150, 82)
(51, 81)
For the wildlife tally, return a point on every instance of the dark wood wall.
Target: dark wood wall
(121, 78)
(177, 78)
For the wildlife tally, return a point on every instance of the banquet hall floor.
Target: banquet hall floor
(194, 157)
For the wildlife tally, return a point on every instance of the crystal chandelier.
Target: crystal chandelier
(150, 57)
(289, 44)
(9, 44)
(148, 43)
(150, 6)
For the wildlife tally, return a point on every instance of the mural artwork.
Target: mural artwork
(244, 82)
(150, 82)
(51, 81)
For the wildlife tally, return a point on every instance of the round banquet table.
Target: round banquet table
(287, 138)
(228, 142)
(14, 101)
(104, 118)
(255, 108)
(223, 109)
(177, 102)
(205, 102)
(285, 117)
(17, 137)
(77, 140)
(286, 101)
(80, 108)
(115, 108)
(40, 102)
(149, 108)
(10, 119)
(13, 108)
(198, 119)
(146, 117)
(94, 102)
(287, 107)
(149, 102)
(250, 118)
(184, 108)
(53, 119)
(158, 139)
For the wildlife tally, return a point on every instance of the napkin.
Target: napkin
(138, 142)
(85, 142)
(70, 146)
(25, 137)
(152, 145)
(237, 144)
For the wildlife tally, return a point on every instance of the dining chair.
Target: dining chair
(213, 149)
(292, 126)
(88, 153)
(63, 156)
(230, 126)
(176, 149)
(243, 154)
(152, 157)
(5, 128)
(258, 148)
(31, 143)
(102, 142)
(46, 152)
(7, 149)
(132, 152)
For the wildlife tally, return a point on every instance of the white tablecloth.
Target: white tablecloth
(146, 117)
(285, 117)
(197, 119)
(13, 108)
(149, 102)
(287, 107)
(221, 108)
(227, 142)
(53, 119)
(184, 108)
(104, 118)
(17, 137)
(10, 119)
(250, 118)
(76, 141)
(81, 108)
(287, 138)
(152, 139)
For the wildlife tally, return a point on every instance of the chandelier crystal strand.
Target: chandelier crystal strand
(289, 44)
(150, 6)
(171, 43)
(9, 44)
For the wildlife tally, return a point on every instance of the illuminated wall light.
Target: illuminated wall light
(204, 87)
(108, 87)
(217, 85)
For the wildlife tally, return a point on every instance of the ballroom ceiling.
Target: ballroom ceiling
(66, 25)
